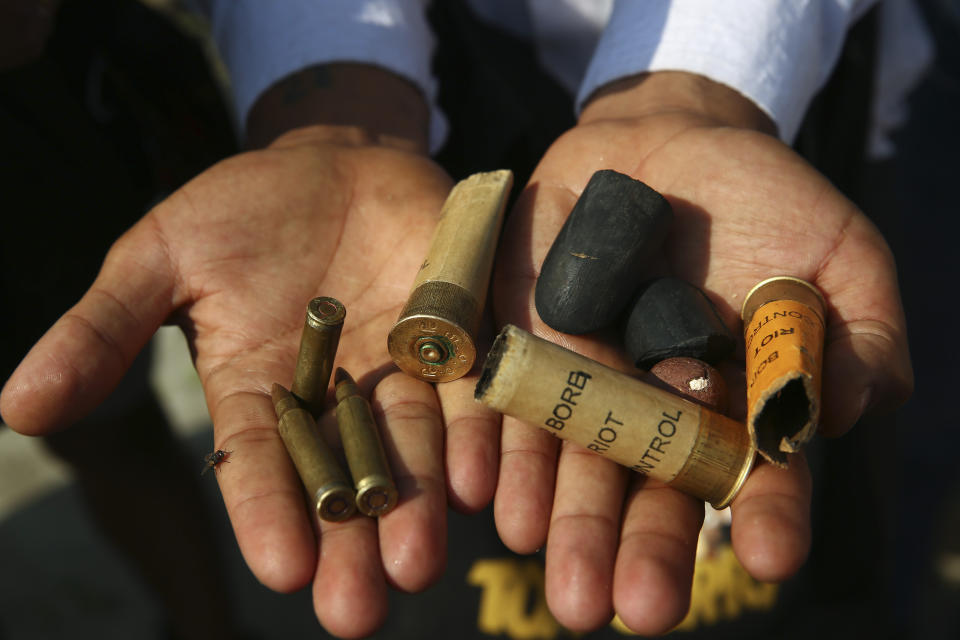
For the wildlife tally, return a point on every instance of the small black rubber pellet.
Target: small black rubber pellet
(596, 262)
(672, 318)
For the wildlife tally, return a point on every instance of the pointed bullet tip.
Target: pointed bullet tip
(344, 384)
(277, 391)
(341, 375)
(283, 400)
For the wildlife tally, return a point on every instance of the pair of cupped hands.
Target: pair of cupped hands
(234, 255)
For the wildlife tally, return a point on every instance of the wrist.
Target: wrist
(675, 93)
(342, 102)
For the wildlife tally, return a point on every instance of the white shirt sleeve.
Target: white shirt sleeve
(905, 51)
(777, 53)
(262, 41)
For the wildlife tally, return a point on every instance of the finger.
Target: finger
(262, 492)
(654, 567)
(413, 536)
(582, 542)
(868, 369)
(83, 356)
(528, 456)
(524, 495)
(472, 445)
(770, 528)
(350, 592)
(866, 357)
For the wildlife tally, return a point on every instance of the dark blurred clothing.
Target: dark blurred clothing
(119, 111)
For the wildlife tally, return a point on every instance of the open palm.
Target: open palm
(746, 208)
(233, 257)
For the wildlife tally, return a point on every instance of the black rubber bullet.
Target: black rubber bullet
(672, 318)
(595, 264)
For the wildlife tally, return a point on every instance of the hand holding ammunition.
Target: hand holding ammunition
(745, 208)
(233, 257)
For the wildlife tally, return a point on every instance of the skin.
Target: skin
(328, 209)
(617, 543)
(232, 258)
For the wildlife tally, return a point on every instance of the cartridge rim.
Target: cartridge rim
(335, 502)
(376, 495)
(783, 288)
(325, 311)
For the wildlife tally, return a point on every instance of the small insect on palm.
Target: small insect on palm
(211, 460)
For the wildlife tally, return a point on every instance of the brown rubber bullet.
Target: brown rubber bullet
(692, 379)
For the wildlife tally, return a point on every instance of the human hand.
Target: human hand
(233, 257)
(746, 208)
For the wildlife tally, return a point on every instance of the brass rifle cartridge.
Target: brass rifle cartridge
(376, 492)
(434, 338)
(783, 330)
(316, 464)
(318, 348)
(647, 429)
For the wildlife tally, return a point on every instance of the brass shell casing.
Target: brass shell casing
(434, 338)
(324, 480)
(318, 348)
(376, 491)
(647, 429)
(783, 326)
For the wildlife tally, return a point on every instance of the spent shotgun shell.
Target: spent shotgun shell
(434, 338)
(318, 348)
(647, 429)
(783, 330)
(376, 492)
(325, 482)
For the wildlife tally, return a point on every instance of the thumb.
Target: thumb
(866, 363)
(82, 357)
(867, 369)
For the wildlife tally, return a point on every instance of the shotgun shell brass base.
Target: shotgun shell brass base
(376, 492)
(433, 340)
(647, 429)
(783, 325)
